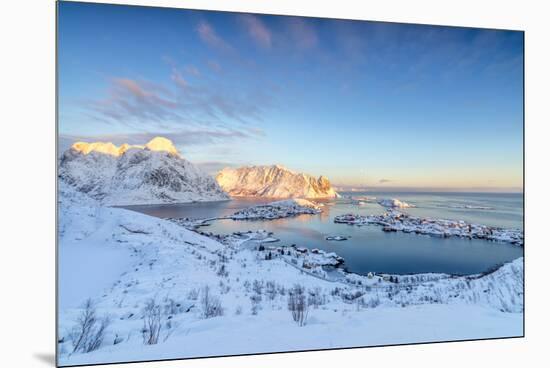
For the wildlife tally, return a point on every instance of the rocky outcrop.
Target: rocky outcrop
(273, 181)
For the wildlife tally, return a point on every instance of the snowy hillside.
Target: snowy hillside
(273, 181)
(158, 290)
(126, 175)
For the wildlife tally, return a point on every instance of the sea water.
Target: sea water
(369, 249)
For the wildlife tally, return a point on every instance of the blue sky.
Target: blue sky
(364, 103)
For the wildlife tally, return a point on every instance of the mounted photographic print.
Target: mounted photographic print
(232, 183)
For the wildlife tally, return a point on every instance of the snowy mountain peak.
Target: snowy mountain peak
(273, 181)
(162, 144)
(159, 144)
(145, 174)
(107, 148)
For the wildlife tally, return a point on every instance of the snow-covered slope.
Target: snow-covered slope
(125, 260)
(273, 181)
(126, 175)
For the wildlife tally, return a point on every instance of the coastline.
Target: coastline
(251, 275)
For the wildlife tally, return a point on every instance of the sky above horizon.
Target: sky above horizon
(366, 104)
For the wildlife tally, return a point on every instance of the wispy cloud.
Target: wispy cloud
(138, 103)
(214, 103)
(382, 181)
(257, 30)
(208, 34)
(129, 99)
(193, 112)
(183, 137)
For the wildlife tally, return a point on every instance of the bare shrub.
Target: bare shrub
(374, 302)
(297, 305)
(172, 307)
(90, 330)
(350, 296)
(222, 271)
(224, 289)
(316, 297)
(255, 299)
(193, 294)
(270, 290)
(211, 304)
(257, 286)
(360, 303)
(152, 322)
(223, 257)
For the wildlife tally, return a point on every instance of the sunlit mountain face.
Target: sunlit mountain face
(274, 181)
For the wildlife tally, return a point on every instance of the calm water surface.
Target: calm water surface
(371, 249)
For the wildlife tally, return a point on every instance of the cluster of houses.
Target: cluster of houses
(397, 221)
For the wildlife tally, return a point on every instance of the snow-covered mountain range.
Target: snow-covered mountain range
(273, 181)
(135, 174)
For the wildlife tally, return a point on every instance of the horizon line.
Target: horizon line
(505, 190)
